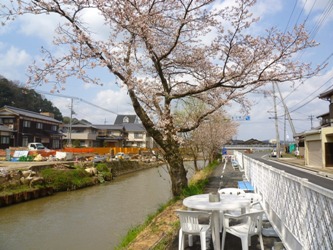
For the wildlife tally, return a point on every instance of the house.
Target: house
(110, 135)
(6, 136)
(82, 135)
(318, 142)
(127, 131)
(25, 126)
(134, 133)
(135, 136)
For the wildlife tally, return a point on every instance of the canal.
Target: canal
(92, 218)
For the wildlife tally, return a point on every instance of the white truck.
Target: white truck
(36, 146)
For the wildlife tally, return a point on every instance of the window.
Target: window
(54, 127)
(126, 119)
(25, 141)
(56, 144)
(8, 121)
(4, 139)
(138, 135)
(26, 124)
(39, 125)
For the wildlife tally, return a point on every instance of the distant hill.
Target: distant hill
(13, 95)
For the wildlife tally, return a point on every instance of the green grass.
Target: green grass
(15, 189)
(62, 180)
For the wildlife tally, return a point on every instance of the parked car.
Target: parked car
(99, 158)
(122, 156)
(273, 154)
(36, 146)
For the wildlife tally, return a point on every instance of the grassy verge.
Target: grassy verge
(16, 189)
(159, 228)
(135, 231)
(62, 180)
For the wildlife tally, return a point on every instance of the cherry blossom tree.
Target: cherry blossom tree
(212, 134)
(164, 51)
(209, 137)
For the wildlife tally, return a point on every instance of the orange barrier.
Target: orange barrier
(97, 150)
(107, 150)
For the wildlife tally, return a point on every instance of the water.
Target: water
(93, 218)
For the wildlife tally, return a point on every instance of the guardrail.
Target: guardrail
(300, 212)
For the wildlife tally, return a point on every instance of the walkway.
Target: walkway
(230, 178)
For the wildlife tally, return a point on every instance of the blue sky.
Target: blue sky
(20, 43)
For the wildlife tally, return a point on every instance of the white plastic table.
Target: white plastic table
(228, 202)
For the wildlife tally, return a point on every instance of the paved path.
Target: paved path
(230, 178)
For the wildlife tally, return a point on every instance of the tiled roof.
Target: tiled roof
(326, 95)
(28, 113)
(80, 126)
(109, 126)
(134, 127)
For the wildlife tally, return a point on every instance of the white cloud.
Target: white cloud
(41, 26)
(96, 21)
(13, 62)
(112, 102)
(265, 8)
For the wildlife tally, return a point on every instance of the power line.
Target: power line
(313, 97)
(76, 98)
(328, 8)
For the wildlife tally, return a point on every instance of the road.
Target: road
(312, 176)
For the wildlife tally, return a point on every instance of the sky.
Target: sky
(21, 41)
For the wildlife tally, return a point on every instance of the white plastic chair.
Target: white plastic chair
(251, 225)
(231, 191)
(189, 224)
(228, 191)
(255, 206)
(256, 201)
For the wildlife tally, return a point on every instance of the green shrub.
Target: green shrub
(102, 167)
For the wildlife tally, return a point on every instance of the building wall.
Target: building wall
(327, 137)
(313, 150)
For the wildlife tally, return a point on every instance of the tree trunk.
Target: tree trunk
(170, 147)
(176, 169)
(195, 157)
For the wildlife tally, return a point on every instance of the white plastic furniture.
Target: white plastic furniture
(227, 202)
(189, 224)
(255, 205)
(251, 225)
(231, 191)
(228, 191)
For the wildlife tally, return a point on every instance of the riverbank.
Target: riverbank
(20, 182)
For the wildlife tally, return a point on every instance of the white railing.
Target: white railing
(300, 212)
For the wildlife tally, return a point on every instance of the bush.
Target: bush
(102, 167)
(62, 180)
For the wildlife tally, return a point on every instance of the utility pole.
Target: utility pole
(278, 150)
(311, 120)
(69, 142)
(285, 130)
